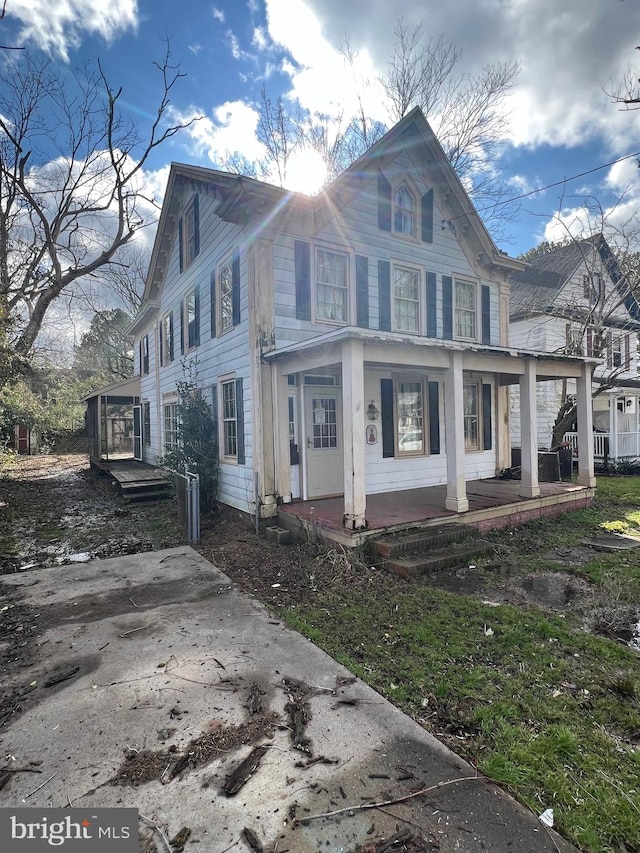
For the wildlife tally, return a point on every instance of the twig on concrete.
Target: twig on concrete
(157, 829)
(363, 806)
(133, 630)
(35, 790)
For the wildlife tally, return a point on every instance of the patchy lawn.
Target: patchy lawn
(521, 664)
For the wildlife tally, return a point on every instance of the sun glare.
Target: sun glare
(306, 172)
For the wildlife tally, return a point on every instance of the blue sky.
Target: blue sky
(558, 123)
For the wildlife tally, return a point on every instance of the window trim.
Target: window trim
(414, 268)
(416, 380)
(477, 384)
(347, 255)
(226, 381)
(172, 404)
(397, 185)
(477, 311)
(186, 332)
(227, 261)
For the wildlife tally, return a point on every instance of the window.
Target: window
(170, 411)
(471, 409)
(404, 211)
(331, 286)
(190, 233)
(616, 352)
(574, 340)
(409, 403)
(229, 419)
(166, 338)
(192, 320)
(225, 299)
(465, 310)
(406, 299)
(592, 286)
(146, 422)
(144, 355)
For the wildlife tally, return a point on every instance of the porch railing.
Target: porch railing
(624, 445)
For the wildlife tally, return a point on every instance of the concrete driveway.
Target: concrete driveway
(161, 686)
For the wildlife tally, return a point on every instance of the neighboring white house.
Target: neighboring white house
(575, 300)
(351, 344)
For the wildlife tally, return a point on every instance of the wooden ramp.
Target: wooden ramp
(138, 481)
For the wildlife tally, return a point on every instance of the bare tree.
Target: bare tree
(71, 184)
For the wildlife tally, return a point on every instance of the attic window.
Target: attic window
(404, 211)
(190, 233)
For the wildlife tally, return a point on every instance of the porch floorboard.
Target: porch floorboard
(488, 499)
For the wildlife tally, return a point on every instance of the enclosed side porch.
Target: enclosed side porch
(616, 425)
(113, 422)
(377, 447)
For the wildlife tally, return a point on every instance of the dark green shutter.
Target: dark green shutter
(196, 225)
(434, 418)
(182, 328)
(427, 217)
(432, 317)
(384, 203)
(487, 437)
(141, 372)
(485, 299)
(384, 295)
(447, 307)
(240, 421)
(362, 291)
(160, 343)
(213, 303)
(235, 287)
(181, 250)
(303, 280)
(196, 299)
(388, 426)
(171, 346)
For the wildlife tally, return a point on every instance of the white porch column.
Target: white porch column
(529, 487)
(584, 410)
(353, 435)
(613, 428)
(456, 499)
(280, 388)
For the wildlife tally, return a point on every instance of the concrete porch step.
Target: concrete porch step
(455, 556)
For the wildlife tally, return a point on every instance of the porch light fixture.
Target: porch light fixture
(372, 412)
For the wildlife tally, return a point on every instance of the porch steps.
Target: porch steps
(420, 552)
(148, 490)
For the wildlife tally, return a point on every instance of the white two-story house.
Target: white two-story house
(352, 344)
(575, 300)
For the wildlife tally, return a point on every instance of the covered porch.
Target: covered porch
(493, 504)
(616, 424)
(112, 421)
(437, 442)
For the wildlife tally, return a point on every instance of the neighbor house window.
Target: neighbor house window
(170, 417)
(144, 355)
(465, 310)
(190, 235)
(166, 338)
(574, 340)
(225, 296)
(229, 419)
(192, 320)
(406, 299)
(409, 405)
(616, 351)
(404, 211)
(471, 409)
(331, 286)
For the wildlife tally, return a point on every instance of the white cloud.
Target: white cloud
(218, 14)
(260, 39)
(232, 128)
(55, 27)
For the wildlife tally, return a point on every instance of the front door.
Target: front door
(137, 432)
(323, 428)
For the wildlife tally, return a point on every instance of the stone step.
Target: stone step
(456, 556)
(422, 540)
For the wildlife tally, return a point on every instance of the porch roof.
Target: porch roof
(123, 388)
(402, 349)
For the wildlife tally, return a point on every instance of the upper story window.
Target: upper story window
(225, 296)
(574, 340)
(465, 309)
(406, 299)
(192, 319)
(166, 338)
(593, 286)
(404, 211)
(332, 280)
(144, 355)
(190, 233)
